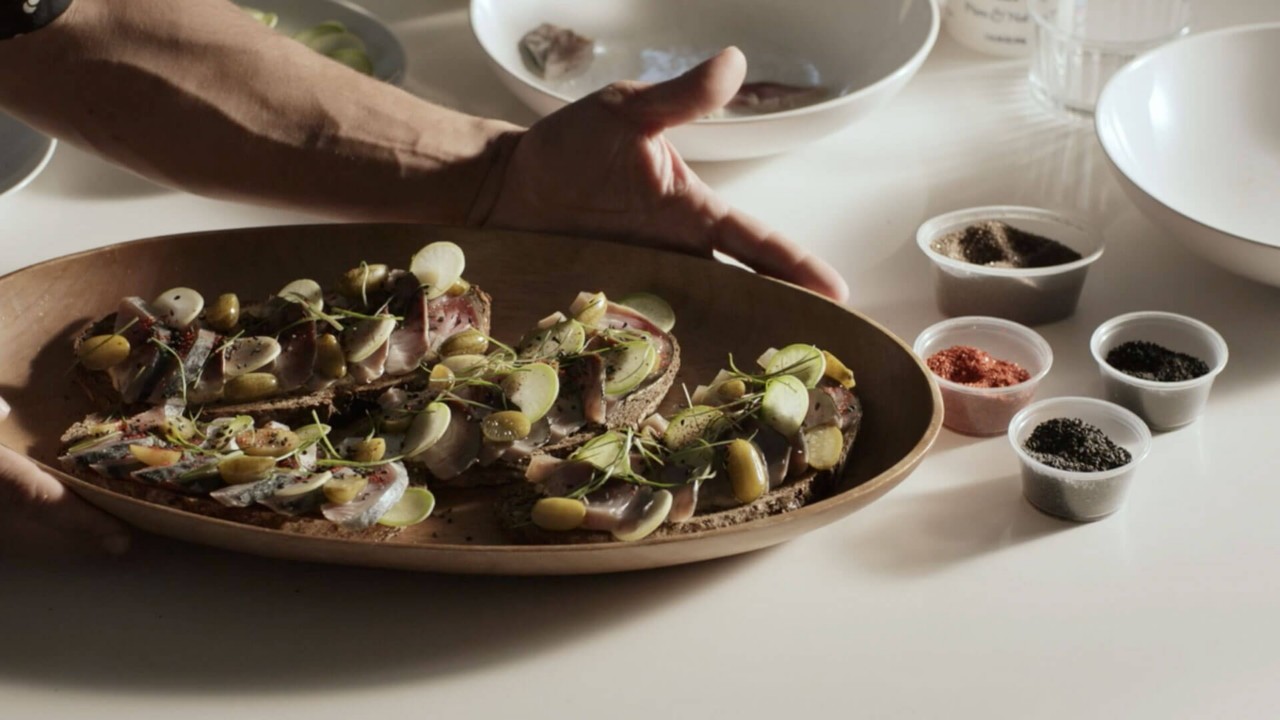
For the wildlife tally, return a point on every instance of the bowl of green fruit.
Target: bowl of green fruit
(339, 30)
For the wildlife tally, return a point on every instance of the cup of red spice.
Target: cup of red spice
(987, 369)
(1019, 263)
(1160, 365)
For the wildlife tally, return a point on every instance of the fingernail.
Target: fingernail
(4, 408)
(116, 545)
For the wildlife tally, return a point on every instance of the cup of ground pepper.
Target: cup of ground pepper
(987, 369)
(1078, 455)
(1160, 365)
(1019, 263)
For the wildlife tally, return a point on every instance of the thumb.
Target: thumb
(32, 498)
(693, 95)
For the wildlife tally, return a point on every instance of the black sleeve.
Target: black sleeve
(23, 16)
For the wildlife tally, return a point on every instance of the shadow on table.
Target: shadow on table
(176, 618)
(83, 176)
(933, 531)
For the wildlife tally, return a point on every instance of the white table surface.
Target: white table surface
(950, 597)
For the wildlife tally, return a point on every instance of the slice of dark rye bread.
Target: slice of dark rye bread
(516, 503)
(292, 408)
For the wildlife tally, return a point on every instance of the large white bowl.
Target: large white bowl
(24, 152)
(865, 51)
(1192, 130)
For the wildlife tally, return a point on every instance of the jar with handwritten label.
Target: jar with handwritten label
(995, 27)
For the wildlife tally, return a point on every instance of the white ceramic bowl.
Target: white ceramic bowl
(1192, 131)
(1163, 405)
(866, 51)
(23, 154)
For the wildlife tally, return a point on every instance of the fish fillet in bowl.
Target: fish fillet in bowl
(814, 66)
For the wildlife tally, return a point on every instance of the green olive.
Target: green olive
(747, 474)
(250, 386)
(358, 282)
(506, 426)
(558, 514)
(467, 342)
(331, 360)
(370, 450)
(823, 447)
(397, 424)
(458, 288)
(589, 309)
(441, 378)
(342, 490)
(224, 313)
(838, 371)
(268, 442)
(731, 390)
(242, 469)
(103, 351)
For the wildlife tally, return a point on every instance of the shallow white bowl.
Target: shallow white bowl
(24, 152)
(865, 51)
(385, 51)
(1192, 130)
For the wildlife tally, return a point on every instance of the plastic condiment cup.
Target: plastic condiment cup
(1079, 496)
(986, 411)
(1032, 296)
(1163, 405)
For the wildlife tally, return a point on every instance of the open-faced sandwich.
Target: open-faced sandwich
(346, 406)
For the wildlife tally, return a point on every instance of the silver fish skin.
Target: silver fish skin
(386, 486)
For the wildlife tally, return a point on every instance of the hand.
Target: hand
(602, 167)
(38, 514)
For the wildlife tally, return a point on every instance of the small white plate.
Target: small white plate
(863, 52)
(23, 154)
(1192, 130)
(385, 51)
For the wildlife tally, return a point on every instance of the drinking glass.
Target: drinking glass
(1080, 44)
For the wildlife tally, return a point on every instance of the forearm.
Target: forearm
(198, 95)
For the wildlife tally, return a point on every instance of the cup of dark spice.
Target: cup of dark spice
(1019, 263)
(1159, 365)
(987, 369)
(1078, 455)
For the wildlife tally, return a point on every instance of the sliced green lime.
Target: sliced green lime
(532, 388)
(413, 507)
(269, 19)
(426, 429)
(690, 424)
(627, 366)
(804, 362)
(602, 452)
(652, 307)
(438, 266)
(785, 403)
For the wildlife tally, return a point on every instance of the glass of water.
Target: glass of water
(1080, 44)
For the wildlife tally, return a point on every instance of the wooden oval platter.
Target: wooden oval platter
(721, 309)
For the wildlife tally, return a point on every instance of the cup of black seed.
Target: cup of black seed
(1078, 455)
(1018, 263)
(1159, 365)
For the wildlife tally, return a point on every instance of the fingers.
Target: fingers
(748, 240)
(29, 496)
(4, 409)
(693, 95)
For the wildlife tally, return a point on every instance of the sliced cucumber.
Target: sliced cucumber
(627, 366)
(304, 485)
(532, 388)
(465, 366)
(694, 423)
(426, 429)
(413, 507)
(822, 446)
(564, 338)
(603, 452)
(306, 292)
(785, 403)
(652, 307)
(354, 58)
(804, 362)
(654, 515)
(316, 33)
(367, 336)
(438, 266)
